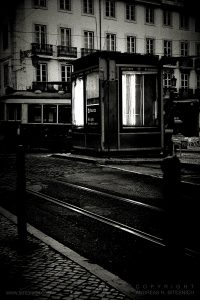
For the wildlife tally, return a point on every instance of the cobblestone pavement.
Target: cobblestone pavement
(39, 272)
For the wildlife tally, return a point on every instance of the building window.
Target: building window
(64, 114)
(5, 37)
(13, 112)
(130, 12)
(184, 48)
(41, 72)
(197, 49)
(66, 73)
(89, 39)
(34, 113)
(65, 5)
(88, 7)
(150, 46)
(6, 75)
(131, 44)
(40, 34)
(167, 80)
(139, 105)
(167, 45)
(184, 80)
(184, 22)
(111, 42)
(40, 3)
(167, 18)
(149, 15)
(65, 37)
(110, 9)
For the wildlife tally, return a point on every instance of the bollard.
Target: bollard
(21, 195)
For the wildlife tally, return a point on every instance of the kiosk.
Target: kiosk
(116, 103)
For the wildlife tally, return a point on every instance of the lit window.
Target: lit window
(88, 7)
(77, 103)
(65, 4)
(167, 48)
(111, 42)
(131, 44)
(130, 12)
(110, 9)
(139, 105)
(149, 15)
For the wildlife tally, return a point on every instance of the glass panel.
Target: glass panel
(34, 114)
(49, 114)
(77, 103)
(64, 114)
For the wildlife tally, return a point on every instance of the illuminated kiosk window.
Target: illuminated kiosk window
(139, 105)
(92, 99)
(77, 103)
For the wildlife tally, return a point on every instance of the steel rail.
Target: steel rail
(100, 218)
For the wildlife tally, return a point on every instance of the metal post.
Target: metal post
(21, 195)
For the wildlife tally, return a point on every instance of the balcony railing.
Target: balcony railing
(67, 51)
(186, 63)
(42, 49)
(86, 51)
(51, 86)
(185, 93)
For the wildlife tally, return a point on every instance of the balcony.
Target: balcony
(186, 93)
(42, 49)
(186, 63)
(66, 51)
(51, 86)
(86, 51)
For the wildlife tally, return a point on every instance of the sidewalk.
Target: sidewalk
(48, 270)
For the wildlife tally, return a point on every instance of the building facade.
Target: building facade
(41, 38)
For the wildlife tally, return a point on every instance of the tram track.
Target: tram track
(101, 219)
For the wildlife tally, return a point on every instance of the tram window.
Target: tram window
(34, 113)
(14, 112)
(64, 114)
(49, 114)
